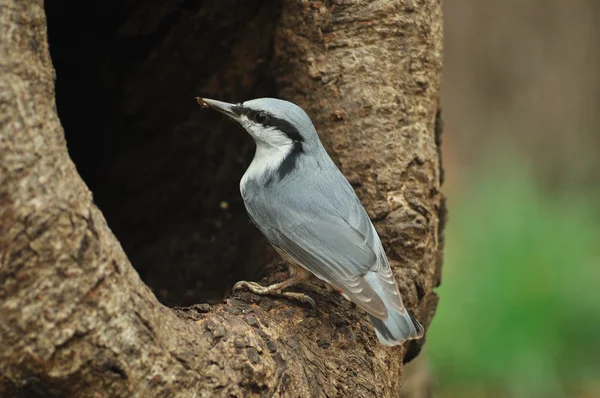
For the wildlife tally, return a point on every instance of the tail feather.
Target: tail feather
(400, 325)
(397, 328)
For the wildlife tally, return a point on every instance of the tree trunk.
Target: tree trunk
(76, 318)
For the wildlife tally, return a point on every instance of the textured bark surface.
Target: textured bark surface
(75, 317)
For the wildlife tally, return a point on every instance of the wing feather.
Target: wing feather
(359, 220)
(314, 258)
(341, 252)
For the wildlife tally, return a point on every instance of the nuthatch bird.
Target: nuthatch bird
(305, 207)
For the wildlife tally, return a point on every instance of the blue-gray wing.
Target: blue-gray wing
(342, 252)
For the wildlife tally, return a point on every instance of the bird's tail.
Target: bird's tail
(398, 327)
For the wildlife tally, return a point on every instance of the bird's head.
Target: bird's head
(271, 122)
(284, 134)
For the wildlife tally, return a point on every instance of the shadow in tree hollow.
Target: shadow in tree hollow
(164, 173)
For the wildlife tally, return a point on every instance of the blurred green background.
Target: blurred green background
(519, 312)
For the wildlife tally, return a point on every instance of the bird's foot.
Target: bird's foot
(252, 286)
(305, 298)
(276, 290)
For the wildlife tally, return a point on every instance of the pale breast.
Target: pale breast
(265, 162)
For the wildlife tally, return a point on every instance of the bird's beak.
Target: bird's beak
(223, 107)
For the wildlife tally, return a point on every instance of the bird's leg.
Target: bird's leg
(297, 275)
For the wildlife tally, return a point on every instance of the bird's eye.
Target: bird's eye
(260, 117)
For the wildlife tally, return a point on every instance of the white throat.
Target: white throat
(272, 147)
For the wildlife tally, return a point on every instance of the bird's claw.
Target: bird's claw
(274, 291)
(305, 298)
(252, 286)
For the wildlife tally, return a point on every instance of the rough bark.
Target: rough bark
(75, 317)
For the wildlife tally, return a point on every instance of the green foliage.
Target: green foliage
(519, 311)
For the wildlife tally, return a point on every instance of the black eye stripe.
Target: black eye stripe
(287, 128)
(271, 121)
